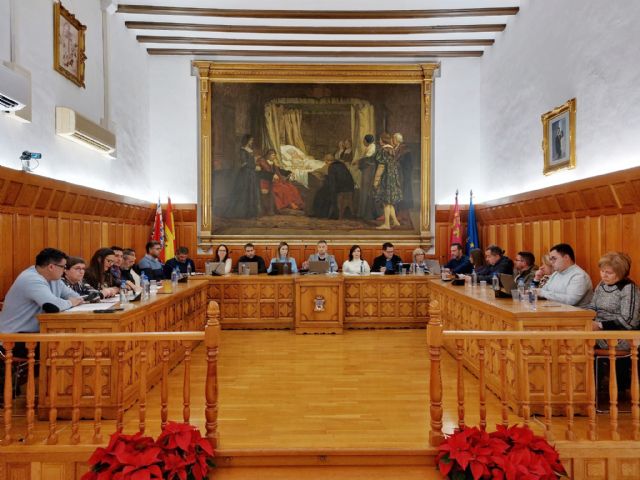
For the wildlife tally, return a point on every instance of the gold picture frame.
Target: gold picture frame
(215, 76)
(68, 45)
(559, 138)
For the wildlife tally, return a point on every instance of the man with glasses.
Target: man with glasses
(569, 284)
(37, 289)
(150, 264)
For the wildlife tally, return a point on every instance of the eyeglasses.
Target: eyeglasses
(59, 266)
(106, 260)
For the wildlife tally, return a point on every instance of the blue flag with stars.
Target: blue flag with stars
(472, 228)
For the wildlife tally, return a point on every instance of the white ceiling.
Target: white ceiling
(194, 40)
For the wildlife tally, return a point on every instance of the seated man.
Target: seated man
(498, 263)
(321, 255)
(115, 268)
(525, 268)
(459, 262)
(388, 261)
(128, 261)
(37, 289)
(150, 264)
(181, 260)
(250, 256)
(569, 283)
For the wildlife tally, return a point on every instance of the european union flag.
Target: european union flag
(472, 228)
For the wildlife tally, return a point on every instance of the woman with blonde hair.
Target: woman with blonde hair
(282, 256)
(543, 273)
(419, 264)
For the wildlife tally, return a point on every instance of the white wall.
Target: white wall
(457, 154)
(63, 159)
(551, 52)
(174, 129)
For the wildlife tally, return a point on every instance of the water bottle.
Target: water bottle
(123, 293)
(146, 286)
(474, 278)
(400, 269)
(174, 280)
(188, 270)
(495, 282)
(521, 289)
(361, 267)
(533, 299)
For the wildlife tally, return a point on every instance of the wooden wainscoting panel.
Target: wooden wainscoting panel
(594, 215)
(38, 212)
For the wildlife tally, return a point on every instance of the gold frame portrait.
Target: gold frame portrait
(65, 23)
(209, 73)
(562, 121)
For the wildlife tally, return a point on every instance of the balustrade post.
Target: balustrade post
(635, 408)
(613, 390)
(8, 392)
(31, 391)
(212, 343)
(76, 391)
(434, 341)
(460, 362)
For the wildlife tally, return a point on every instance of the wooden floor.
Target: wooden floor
(365, 389)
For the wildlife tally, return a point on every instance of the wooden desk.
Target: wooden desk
(475, 308)
(182, 310)
(370, 301)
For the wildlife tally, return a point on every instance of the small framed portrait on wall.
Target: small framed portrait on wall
(68, 45)
(559, 137)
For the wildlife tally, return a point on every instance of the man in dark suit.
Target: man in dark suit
(388, 261)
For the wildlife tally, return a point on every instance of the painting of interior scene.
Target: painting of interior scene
(332, 158)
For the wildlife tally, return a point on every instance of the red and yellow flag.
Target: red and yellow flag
(456, 234)
(169, 235)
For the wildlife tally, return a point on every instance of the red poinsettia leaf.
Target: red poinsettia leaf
(477, 470)
(445, 466)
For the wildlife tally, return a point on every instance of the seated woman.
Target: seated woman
(615, 299)
(476, 256)
(99, 275)
(419, 261)
(543, 273)
(356, 265)
(74, 279)
(283, 256)
(222, 255)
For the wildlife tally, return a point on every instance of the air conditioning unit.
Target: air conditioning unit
(14, 90)
(75, 127)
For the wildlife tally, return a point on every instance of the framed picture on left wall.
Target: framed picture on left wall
(68, 45)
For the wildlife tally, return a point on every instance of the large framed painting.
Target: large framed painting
(68, 45)
(292, 152)
(559, 137)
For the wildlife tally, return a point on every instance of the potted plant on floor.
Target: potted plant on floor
(179, 453)
(510, 453)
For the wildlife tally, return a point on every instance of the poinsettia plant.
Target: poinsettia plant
(509, 453)
(179, 453)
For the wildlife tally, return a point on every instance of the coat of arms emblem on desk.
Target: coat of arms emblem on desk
(319, 302)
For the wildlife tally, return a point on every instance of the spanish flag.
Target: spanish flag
(169, 235)
(456, 234)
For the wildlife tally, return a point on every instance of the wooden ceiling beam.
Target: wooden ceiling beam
(314, 30)
(319, 14)
(314, 53)
(316, 43)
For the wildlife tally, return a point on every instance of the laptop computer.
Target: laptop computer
(214, 268)
(280, 268)
(434, 266)
(319, 266)
(506, 285)
(251, 266)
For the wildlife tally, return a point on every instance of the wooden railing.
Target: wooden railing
(567, 343)
(57, 361)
